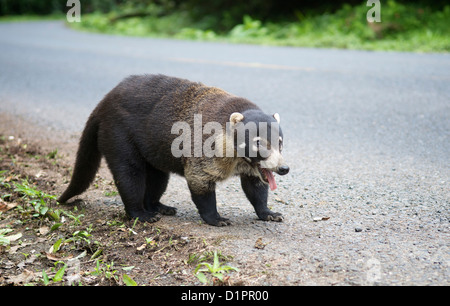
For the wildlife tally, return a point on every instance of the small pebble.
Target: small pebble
(358, 229)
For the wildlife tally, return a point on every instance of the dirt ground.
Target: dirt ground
(107, 244)
(347, 227)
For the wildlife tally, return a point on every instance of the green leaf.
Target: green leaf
(128, 268)
(216, 264)
(54, 214)
(59, 275)
(5, 231)
(57, 245)
(97, 253)
(43, 210)
(202, 277)
(128, 280)
(55, 226)
(199, 267)
(4, 241)
(45, 278)
(226, 268)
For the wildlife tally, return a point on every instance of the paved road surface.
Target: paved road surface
(366, 136)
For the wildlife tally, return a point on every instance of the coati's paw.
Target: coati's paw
(165, 210)
(271, 216)
(223, 222)
(146, 216)
(217, 221)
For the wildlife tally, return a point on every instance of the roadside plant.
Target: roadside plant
(37, 200)
(105, 270)
(215, 271)
(58, 277)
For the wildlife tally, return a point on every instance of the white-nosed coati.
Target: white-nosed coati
(132, 128)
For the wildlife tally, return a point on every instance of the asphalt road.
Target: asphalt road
(366, 137)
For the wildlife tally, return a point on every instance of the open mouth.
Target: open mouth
(267, 176)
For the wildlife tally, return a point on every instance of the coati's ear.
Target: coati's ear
(235, 118)
(277, 117)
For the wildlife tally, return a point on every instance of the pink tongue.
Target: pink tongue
(271, 179)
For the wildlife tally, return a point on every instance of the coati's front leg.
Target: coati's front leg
(257, 193)
(204, 197)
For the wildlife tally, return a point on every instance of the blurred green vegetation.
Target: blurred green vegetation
(420, 26)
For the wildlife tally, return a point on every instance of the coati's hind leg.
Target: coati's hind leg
(128, 169)
(156, 183)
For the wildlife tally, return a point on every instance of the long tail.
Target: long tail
(87, 161)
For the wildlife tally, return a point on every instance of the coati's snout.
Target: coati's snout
(283, 170)
(274, 163)
(266, 175)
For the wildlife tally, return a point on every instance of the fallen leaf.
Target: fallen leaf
(280, 201)
(29, 260)
(4, 240)
(13, 250)
(4, 206)
(320, 219)
(14, 237)
(140, 248)
(43, 230)
(55, 257)
(25, 277)
(8, 265)
(259, 244)
(73, 278)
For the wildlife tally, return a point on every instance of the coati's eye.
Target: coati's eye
(256, 144)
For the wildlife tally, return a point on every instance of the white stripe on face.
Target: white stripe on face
(274, 160)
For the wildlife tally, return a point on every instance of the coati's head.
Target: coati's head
(258, 139)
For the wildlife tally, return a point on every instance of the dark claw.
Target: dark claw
(146, 216)
(166, 210)
(272, 216)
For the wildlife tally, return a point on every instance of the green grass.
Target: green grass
(37, 208)
(22, 18)
(35, 202)
(402, 28)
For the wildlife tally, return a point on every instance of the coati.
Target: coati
(132, 128)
